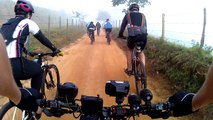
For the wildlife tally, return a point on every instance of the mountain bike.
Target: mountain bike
(108, 37)
(91, 107)
(98, 31)
(138, 68)
(51, 79)
(91, 35)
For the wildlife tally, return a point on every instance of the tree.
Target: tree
(103, 15)
(141, 3)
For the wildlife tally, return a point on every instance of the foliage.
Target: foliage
(185, 67)
(59, 37)
(141, 3)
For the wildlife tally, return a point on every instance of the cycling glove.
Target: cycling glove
(182, 103)
(28, 99)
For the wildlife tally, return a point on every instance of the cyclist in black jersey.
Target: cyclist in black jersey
(135, 22)
(15, 33)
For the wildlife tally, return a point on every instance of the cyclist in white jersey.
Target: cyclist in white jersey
(15, 32)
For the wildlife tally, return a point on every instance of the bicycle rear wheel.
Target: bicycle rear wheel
(140, 76)
(108, 38)
(10, 112)
(51, 80)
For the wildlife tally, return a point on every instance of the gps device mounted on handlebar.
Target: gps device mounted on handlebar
(118, 89)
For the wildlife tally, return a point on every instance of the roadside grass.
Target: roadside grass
(185, 68)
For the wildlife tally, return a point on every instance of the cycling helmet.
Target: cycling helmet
(23, 7)
(134, 6)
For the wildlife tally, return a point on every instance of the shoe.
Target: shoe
(128, 72)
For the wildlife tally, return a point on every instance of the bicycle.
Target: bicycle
(98, 31)
(51, 79)
(91, 35)
(138, 68)
(108, 37)
(91, 107)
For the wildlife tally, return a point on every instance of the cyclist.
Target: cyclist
(15, 32)
(108, 26)
(137, 32)
(91, 28)
(98, 26)
(23, 98)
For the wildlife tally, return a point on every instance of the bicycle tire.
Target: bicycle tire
(10, 112)
(108, 38)
(51, 79)
(140, 76)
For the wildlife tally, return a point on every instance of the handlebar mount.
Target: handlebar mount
(91, 107)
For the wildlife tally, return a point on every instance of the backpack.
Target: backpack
(108, 25)
(136, 30)
(8, 28)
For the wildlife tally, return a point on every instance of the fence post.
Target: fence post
(49, 27)
(67, 28)
(60, 22)
(204, 27)
(163, 26)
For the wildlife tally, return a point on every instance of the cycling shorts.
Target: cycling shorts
(108, 29)
(139, 38)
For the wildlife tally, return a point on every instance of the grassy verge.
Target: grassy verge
(59, 37)
(185, 68)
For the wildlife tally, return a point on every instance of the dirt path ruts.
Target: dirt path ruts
(90, 66)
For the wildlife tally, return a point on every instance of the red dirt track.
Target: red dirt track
(90, 66)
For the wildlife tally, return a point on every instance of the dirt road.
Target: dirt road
(90, 66)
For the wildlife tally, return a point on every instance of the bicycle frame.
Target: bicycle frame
(138, 69)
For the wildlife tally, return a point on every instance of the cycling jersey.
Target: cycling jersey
(16, 36)
(108, 25)
(133, 19)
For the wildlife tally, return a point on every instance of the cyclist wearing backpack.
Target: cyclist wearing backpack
(108, 26)
(137, 32)
(15, 33)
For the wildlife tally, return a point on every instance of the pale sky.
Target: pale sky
(192, 10)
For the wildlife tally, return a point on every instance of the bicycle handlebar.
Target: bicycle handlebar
(58, 108)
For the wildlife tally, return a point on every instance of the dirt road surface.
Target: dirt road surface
(90, 66)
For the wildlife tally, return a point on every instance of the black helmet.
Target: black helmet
(23, 7)
(134, 6)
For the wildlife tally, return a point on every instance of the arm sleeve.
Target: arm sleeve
(123, 25)
(40, 36)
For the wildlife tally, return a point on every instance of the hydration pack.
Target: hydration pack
(134, 30)
(108, 25)
(8, 28)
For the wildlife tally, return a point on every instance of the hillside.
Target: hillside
(40, 16)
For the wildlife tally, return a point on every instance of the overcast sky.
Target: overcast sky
(192, 10)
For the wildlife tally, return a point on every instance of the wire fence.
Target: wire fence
(184, 29)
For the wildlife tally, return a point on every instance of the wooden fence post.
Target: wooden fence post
(67, 28)
(163, 26)
(60, 22)
(49, 27)
(204, 27)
